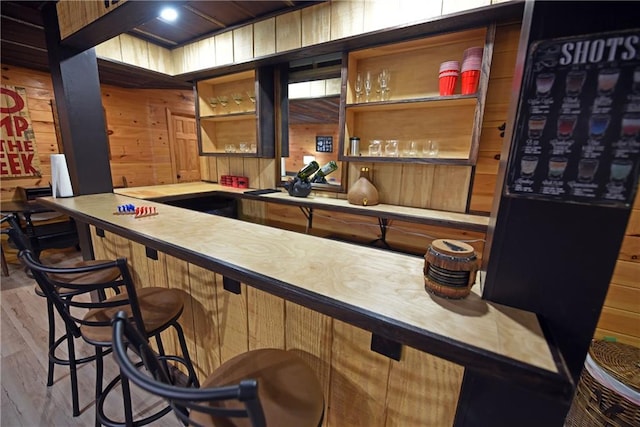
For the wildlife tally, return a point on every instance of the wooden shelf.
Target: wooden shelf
(415, 111)
(220, 126)
(427, 102)
(249, 115)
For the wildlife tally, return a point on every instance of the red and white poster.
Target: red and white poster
(18, 148)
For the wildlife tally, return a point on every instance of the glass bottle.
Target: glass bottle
(325, 170)
(308, 170)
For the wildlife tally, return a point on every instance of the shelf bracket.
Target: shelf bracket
(383, 223)
(307, 211)
(151, 253)
(386, 347)
(231, 285)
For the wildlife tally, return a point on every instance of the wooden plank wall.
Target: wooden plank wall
(139, 133)
(39, 100)
(136, 123)
(495, 114)
(620, 317)
(302, 142)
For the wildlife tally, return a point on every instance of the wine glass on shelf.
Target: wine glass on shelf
(367, 86)
(358, 87)
(213, 101)
(224, 100)
(237, 98)
(384, 79)
(252, 96)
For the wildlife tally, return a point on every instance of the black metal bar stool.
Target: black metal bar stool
(21, 242)
(265, 387)
(152, 309)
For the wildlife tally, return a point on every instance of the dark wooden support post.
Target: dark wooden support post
(76, 85)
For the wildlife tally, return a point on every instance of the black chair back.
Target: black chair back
(181, 399)
(17, 237)
(51, 278)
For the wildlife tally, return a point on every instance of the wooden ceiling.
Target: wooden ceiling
(314, 110)
(23, 42)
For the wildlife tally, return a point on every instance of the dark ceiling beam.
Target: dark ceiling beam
(123, 75)
(205, 16)
(122, 19)
(147, 34)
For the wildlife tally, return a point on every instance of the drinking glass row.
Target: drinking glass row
(392, 148)
(237, 97)
(365, 85)
(619, 169)
(574, 81)
(243, 147)
(598, 124)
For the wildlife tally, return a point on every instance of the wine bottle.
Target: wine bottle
(325, 170)
(308, 170)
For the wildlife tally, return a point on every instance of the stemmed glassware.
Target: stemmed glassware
(213, 101)
(237, 98)
(383, 81)
(367, 86)
(224, 100)
(358, 87)
(252, 97)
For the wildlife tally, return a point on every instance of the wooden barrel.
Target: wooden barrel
(450, 268)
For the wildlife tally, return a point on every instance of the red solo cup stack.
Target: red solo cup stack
(449, 72)
(471, 64)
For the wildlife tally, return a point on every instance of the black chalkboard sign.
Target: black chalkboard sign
(577, 136)
(324, 144)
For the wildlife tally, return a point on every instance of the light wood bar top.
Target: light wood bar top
(418, 215)
(368, 287)
(167, 191)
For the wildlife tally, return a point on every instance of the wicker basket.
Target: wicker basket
(597, 405)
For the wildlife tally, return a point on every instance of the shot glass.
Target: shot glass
(536, 126)
(544, 83)
(528, 165)
(598, 124)
(557, 165)
(587, 169)
(620, 170)
(630, 125)
(566, 125)
(607, 80)
(574, 82)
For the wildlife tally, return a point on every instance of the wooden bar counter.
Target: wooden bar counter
(252, 286)
(170, 192)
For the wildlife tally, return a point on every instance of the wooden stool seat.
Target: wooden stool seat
(288, 390)
(258, 388)
(158, 306)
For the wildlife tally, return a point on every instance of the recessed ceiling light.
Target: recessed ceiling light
(169, 14)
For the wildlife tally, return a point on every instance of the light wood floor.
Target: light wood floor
(26, 400)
